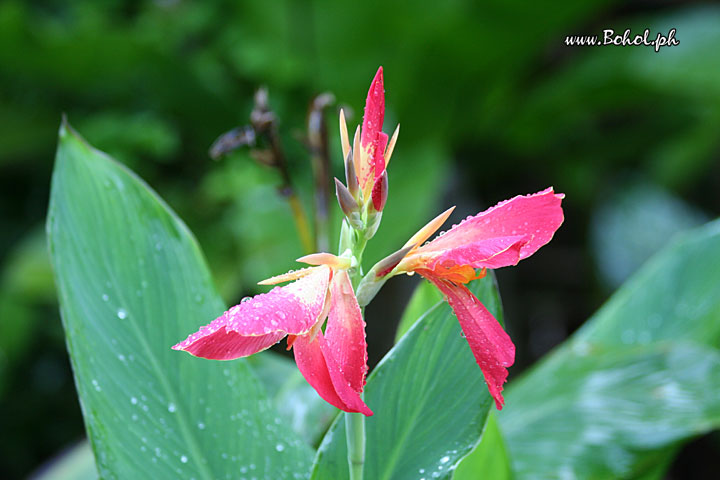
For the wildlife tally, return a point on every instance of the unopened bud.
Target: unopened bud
(348, 205)
(380, 192)
(373, 281)
(351, 176)
(387, 264)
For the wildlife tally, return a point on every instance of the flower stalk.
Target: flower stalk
(355, 433)
(355, 422)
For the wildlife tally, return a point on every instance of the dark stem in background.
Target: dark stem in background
(320, 157)
(263, 124)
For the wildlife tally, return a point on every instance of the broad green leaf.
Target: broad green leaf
(618, 396)
(489, 460)
(674, 296)
(423, 299)
(610, 409)
(132, 282)
(429, 401)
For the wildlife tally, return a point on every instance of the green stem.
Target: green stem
(355, 430)
(355, 422)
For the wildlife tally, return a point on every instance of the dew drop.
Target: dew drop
(183, 459)
(105, 297)
(122, 313)
(171, 407)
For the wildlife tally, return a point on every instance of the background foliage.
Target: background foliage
(491, 102)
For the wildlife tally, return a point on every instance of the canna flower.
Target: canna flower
(367, 160)
(498, 237)
(333, 362)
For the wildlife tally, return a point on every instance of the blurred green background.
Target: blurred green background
(492, 104)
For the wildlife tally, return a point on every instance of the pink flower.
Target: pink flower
(333, 362)
(498, 237)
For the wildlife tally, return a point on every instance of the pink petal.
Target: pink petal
(379, 154)
(380, 192)
(535, 217)
(492, 347)
(316, 363)
(345, 332)
(372, 140)
(260, 322)
(490, 253)
(374, 110)
(217, 343)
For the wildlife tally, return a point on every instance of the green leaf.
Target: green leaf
(489, 460)
(132, 282)
(673, 297)
(637, 379)
(304, 410)
(610, 409)
(429, 398)
(423, 299)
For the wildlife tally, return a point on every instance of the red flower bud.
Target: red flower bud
(380, 192)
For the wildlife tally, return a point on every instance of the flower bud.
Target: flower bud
(348, 205)
(387, 264)
(378, 275)
(380, 192)
(351, 175)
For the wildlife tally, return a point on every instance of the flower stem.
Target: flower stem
(355, 422)
(355, 430)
